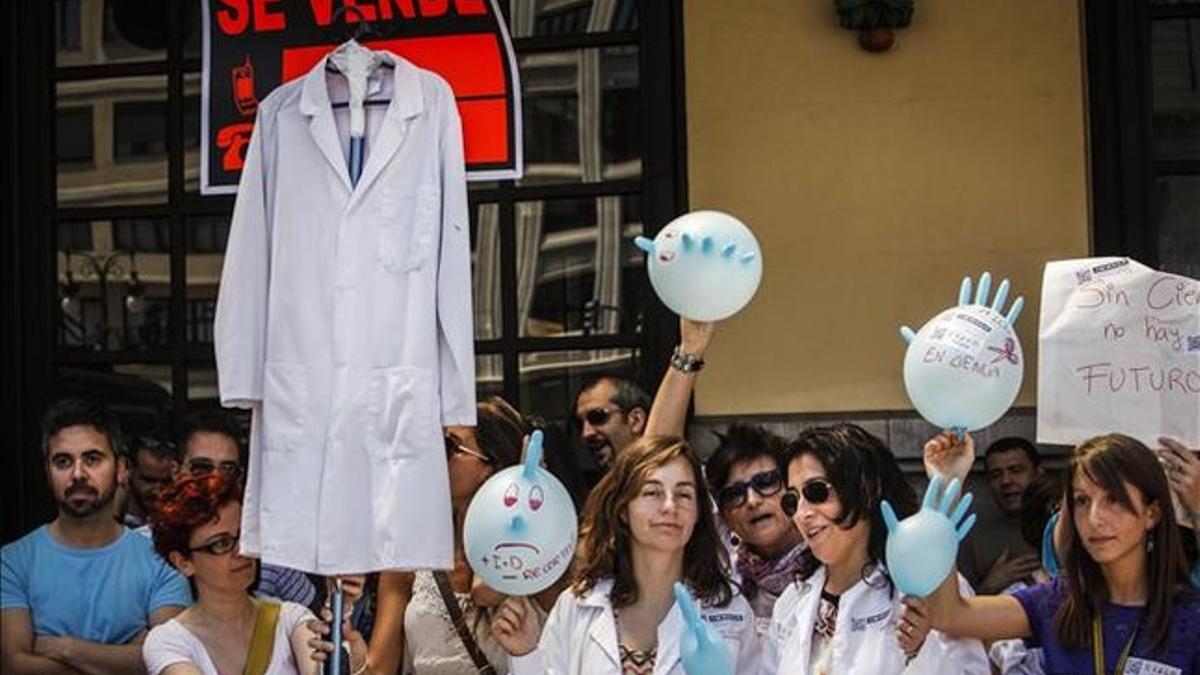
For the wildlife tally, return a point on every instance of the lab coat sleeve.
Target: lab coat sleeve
(456, 333)
(240, 324)
(749, 656)
(552, 656)
(943, 654)
(778, 632)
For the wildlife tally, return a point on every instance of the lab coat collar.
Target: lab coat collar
(407, 102)
(604, 630)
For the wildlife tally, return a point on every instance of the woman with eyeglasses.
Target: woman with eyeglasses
(414, 625)
(847, 617)
(1122, 602)
(196, 526)
(646, 526)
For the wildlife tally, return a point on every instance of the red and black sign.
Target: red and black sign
(253, 46)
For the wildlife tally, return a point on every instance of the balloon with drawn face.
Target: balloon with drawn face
(704, 265)
(520, 529)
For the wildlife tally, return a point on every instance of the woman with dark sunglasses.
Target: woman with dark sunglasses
(746, 476)
(846, 617)
(196, 527)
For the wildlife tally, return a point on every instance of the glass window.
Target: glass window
(489, 376)
(582, 112)
(128, 131)
(1178, 213)
(149, 235)
(75, 236)
(550, 380)
(112, 297)
(485, 270)
(578, 272)
(1175, 65)
(73, 135)
(206, 254)
(138, 393)
(110, 31)
(202, 387)
(67, 17)
(538, 18)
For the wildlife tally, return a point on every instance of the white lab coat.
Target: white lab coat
(864, 635)
(344, 324)
(580, 637)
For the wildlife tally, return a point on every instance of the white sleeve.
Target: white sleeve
(165, 645)
(942, 653)
(240, 324)
(552, 656)
(455, 318)
(778, 632)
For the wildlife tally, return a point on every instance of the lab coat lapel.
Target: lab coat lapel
(406, 103)
(669, 632)
(603, 631)
(314, 102)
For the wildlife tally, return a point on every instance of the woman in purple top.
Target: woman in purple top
(1123, 603)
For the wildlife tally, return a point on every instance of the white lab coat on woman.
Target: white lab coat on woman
(864, 636)
(344, 324)
(580, 637)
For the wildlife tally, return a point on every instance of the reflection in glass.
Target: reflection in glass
(206, 254)
(550, 381)
(528, 18)
(110, 31)
(1178, 211)
(485, 270)
(1175, 56)
(578, 272)
(191, 133)
(202, 387)
(582, 115)
(113, 293)
(126, 137)
(489, 376)
(139, 394)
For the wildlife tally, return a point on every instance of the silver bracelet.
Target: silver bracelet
(361, 669)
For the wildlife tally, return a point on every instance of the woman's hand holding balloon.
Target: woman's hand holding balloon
(1183, 473)
(694, 336)
(950, 455)
(515, 625)
(913, 625)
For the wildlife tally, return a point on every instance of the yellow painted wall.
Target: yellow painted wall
(874, 182)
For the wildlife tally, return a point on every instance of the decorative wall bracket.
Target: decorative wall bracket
(875, 20)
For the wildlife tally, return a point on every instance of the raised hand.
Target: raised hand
(921, 549)
(701, 651)
(515, 625)
(950, 454)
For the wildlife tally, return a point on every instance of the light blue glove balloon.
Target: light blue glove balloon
(704, 265)
(921, 548)
(963, 368)
(701, 650)
(519, 532)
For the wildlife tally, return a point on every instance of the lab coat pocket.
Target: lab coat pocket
(407, 227)
(285, 394)
(399, 410)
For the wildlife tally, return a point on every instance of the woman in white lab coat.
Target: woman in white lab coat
(646, 525)
(847, 618)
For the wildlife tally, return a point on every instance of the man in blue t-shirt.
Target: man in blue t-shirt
(78, 595)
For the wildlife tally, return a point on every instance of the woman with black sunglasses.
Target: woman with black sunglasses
(847, 618)
(196, 527)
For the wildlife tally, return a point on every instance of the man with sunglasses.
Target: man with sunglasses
(611, 413)
(78, 595)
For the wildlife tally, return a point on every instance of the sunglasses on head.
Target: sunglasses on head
(202, 467)
(598, 416)
(454, 447)
(219, 546)
(734, 495)
(814, 491)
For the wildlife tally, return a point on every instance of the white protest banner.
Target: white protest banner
(1119, 351)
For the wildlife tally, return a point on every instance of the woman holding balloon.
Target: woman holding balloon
(847, 616)
(646, 526)
(1122, 603)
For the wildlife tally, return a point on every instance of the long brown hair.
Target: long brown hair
(1110, 462)
(606, 541)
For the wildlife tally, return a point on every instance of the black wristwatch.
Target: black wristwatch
(686, 363)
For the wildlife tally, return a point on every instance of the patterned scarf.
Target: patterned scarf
(772, 575)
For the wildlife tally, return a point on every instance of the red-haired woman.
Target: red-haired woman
(196, 528)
